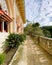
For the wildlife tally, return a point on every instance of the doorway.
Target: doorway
(0, 26)
(5, 26)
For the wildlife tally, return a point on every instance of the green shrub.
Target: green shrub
(22, 37)
(2, 56)
(11, 40)
(14, 40)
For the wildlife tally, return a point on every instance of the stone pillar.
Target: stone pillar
(8, 27)
(11, 27)
(15, 26)
(3, 26)
(15, 12)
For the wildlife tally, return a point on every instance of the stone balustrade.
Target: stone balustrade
(44, 42)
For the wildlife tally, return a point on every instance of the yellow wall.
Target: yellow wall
(15, 14)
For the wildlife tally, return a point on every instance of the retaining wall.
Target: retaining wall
(3, 36)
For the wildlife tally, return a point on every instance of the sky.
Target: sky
(2, 2)
(39, 11)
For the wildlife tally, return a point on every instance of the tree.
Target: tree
(33, 29)
(37, 31)
(36, 24)
(28, 28)
(46, 33)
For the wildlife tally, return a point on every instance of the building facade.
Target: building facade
(12, 16)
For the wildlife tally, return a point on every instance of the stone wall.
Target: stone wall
(3, 36)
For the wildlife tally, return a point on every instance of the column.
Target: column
(15, 26)
(8, 28)
(11, 27)
(15, 12)
(3, 26)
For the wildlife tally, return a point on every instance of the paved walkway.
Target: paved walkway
(33, 54)
(36, 55)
